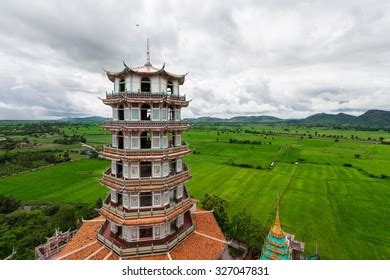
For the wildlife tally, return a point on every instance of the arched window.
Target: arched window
(169, 87)
(122, 85)
(145, 112)
(145, 85)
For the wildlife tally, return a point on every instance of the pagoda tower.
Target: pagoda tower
(147, 211)
(276, 245)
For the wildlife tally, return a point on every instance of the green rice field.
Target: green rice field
(74, 182)
(333, 193)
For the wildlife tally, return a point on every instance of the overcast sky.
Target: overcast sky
(281, 58)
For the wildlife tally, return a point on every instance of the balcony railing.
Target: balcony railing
(157, 95)
(147, 151)
(124, 248)
(152, 183)
(141, 213)
(121, 178)
(144, 123)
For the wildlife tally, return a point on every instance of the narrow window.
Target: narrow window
(120, 140)
(122, 85)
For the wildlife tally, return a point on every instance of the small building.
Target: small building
(276, 245)
(280, 245)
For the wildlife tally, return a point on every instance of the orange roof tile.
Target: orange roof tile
(206, 224)
(198, 247)
(207, 242)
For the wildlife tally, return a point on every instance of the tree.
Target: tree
(66, 156)
(8, 204)
(239, 228)
(65, 218)
(219, 205)
(248, 230)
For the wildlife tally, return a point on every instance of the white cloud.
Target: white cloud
(284, 58)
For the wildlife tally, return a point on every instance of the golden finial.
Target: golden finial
(277, 229)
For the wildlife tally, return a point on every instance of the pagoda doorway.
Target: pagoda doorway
(146, 142)
(171, 113)
(146, 169)
(120, 140)
(121, 113)
(145, 112)
(119, 199)
(169, 87)
(119, 170)
(145, 85)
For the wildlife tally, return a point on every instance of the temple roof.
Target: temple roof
(276, 245)
(206, 242)
(146, 70)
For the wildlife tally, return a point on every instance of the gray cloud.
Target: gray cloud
(285, 58)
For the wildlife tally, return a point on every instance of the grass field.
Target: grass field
(342, 209)
(345, 210)
(74, 182)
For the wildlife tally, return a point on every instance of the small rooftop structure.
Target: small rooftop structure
(280, 245)
(146, 70)
(276, 246)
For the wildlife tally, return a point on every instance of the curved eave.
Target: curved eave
(162, 72)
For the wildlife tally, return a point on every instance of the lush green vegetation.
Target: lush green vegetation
(23, 229)
(11, 163)
(241, 226)
(69, 140)
(332, 193)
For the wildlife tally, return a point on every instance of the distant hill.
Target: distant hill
(205, 120)
(371, 118)
(256, 119)
(327, 119)
(238, 119)
(84, 119)
(374, 117)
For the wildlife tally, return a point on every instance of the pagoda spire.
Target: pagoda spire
(147, 53)
(275, 245)
(277, 228)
